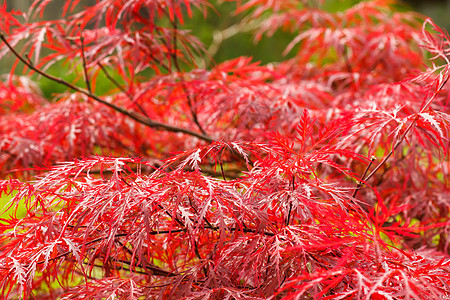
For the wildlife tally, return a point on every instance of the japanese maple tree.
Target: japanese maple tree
(324, 176)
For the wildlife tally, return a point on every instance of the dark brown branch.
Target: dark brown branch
(153, 269)
(292, 183)
(120, 268)
(223, 172)
(135, 116)
(211, 227)
(245, 230)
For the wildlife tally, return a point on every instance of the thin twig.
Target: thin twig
(292, 183)
(223, 172)
(110, 78)
(154, 269)
(214, 228)
(196, 212)
(173, 54)
(83, 57)
(135, 116)
(183, 83)
(28, 59)
(160, 62)
(360, 183)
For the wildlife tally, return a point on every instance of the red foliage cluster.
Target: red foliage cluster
(325, 176)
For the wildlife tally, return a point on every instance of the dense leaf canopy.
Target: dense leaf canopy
(324, 176)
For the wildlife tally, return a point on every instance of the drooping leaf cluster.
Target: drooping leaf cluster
(325, 176)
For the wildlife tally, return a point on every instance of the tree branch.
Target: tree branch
(133, 115)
